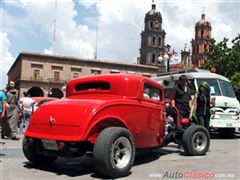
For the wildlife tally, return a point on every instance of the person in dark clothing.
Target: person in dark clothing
(203, 102)
(12, 112)
(181, 97)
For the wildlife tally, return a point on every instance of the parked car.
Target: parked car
(110, 118)
(41, 100)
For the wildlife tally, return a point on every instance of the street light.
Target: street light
(169, 56)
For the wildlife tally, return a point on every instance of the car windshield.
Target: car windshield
(227, 89)
(214, 87)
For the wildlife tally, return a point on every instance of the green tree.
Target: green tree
(225, 59)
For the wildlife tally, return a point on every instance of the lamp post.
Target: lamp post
(168, 56)
(48, 92)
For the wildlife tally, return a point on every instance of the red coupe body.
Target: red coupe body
(96, 102)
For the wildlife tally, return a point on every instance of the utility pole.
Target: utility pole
(54, 27)
(95, 57)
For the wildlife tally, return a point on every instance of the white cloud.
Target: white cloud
(120, 23)
(6, 58)
(70, 38)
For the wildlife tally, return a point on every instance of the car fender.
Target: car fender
(99, 124)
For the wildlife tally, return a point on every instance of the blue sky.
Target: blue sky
(28, 26)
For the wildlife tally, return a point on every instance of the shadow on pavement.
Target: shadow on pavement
(66, 166)
(84, 165)
(215, 135)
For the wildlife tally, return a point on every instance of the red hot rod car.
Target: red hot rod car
(110, 117)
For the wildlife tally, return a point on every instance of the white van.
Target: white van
(225, 116)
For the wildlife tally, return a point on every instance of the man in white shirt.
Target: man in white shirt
(27, 106)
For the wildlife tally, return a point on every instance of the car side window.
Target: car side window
(152, 93)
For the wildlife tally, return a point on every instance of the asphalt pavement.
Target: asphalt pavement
(221, 162)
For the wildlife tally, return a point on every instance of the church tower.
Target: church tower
(202, 41)
(152, 38)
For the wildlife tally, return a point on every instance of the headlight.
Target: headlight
(213, 111)
(237, 112)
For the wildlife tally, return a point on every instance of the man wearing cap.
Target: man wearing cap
(181, 97)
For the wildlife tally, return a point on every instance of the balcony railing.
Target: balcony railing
(33, 78)
(47, 80)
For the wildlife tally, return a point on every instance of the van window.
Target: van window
(215, 90)
(227, 89)
(191, 85)
(93, 86)
(152, 93)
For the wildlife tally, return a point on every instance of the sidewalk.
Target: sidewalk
(11, 143)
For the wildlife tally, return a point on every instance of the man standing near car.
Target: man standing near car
(181, 97)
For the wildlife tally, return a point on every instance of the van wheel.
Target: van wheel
(114, 152)
(226, 132)
(196, 140)
(29, 151)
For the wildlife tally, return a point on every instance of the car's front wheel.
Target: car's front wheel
(196, 140)
(114, 152)
(29, 151)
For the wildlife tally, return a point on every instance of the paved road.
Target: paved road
(222, 162)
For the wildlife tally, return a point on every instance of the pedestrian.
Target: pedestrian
(181, 97)
(3, 99)
(203, 103)
(27, 107)
(13, 111)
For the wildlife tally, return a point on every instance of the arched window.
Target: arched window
(159, 41)
(153, 58)
(153, 40)
(151, 24)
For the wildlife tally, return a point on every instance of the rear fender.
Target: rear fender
(101, 124)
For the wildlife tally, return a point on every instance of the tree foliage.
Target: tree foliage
(225, 59)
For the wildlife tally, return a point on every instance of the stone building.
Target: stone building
(47, 75)
(152, 38)
(202, 41)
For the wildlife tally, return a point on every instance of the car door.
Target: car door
(152, 115)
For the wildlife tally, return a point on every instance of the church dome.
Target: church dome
(153, 11)
(203, 21)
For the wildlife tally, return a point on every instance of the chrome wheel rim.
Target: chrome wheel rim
(121, 152)
(199, 141)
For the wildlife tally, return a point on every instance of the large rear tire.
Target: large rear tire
(114, 152)
(29, 151)
(196, 140)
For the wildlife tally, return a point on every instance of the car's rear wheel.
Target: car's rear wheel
(29, 151)
(114, 152)
(196, 140)
(226, 132)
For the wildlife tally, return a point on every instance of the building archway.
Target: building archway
(35, 92)
(55, 92)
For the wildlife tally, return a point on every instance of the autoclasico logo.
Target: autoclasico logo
(190, 175)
